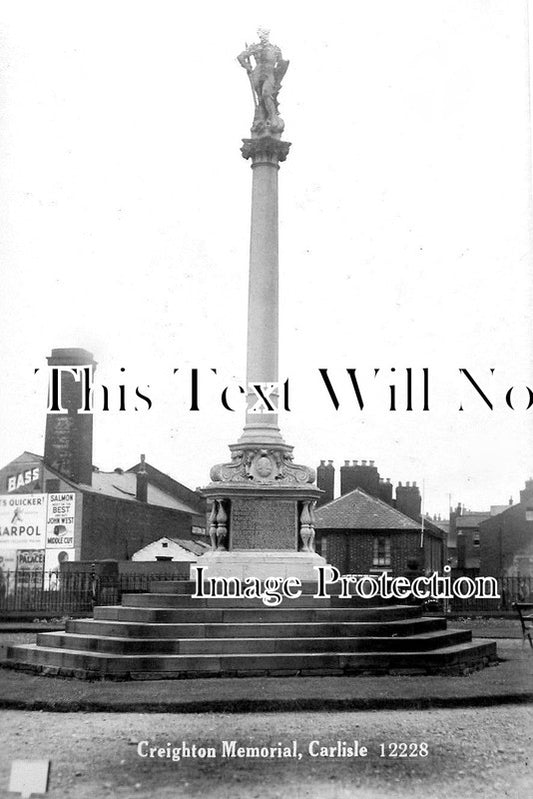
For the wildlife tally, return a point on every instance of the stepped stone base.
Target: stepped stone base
(166, 634)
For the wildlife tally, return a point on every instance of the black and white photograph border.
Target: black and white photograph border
(210, 372)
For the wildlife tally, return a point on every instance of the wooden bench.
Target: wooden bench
(524, 610)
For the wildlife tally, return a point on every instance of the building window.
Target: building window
(529, 514)
(382, 551)
(475, 539)
(165, 544)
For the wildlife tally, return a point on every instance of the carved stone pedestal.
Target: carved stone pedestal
(262, 565)
(261, 516)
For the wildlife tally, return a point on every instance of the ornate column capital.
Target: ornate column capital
(262, 466)
(265, 149)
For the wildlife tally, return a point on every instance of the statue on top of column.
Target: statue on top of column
(265, 79)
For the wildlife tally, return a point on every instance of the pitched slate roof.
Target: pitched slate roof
(360, 511)
(471, 520)
(168, 485)
(193, 547)
(196, 547)
(123, 486)
(27, 457)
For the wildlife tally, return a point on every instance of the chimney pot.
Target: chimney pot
(363, 463)
(322, 463)
(371, 463)
(346, 463)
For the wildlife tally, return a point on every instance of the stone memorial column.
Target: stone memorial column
(261, 521)
(265, 153)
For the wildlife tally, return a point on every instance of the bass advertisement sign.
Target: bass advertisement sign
(22, 521)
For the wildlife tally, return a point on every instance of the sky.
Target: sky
(405, 228)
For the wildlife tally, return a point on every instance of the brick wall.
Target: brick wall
(116, 528)
(353, 550)
(502, 537)
(334, 549)
(434, 553)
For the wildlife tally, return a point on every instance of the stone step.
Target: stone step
(173, 587)
(309, 589)
(96, 664)
(126, 629)
(255, 615)
(222, 646)
(172, 600)
(189, 587)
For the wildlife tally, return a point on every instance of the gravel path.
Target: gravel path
(479, 752)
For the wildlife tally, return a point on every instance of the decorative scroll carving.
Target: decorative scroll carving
(262, 466)
(265, 149)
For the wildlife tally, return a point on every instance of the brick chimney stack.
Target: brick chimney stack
(360, 475)
(385, 491)
(68, 439)
(408, 500)
(527, 493)
(325, 478)
(142, 482)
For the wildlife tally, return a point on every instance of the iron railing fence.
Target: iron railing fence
(140, 583)
(48, 592)
(72, 592)
(79, 592)
(510, 589)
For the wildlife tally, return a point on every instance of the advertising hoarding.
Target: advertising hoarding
(60, 521)
(22, 521)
